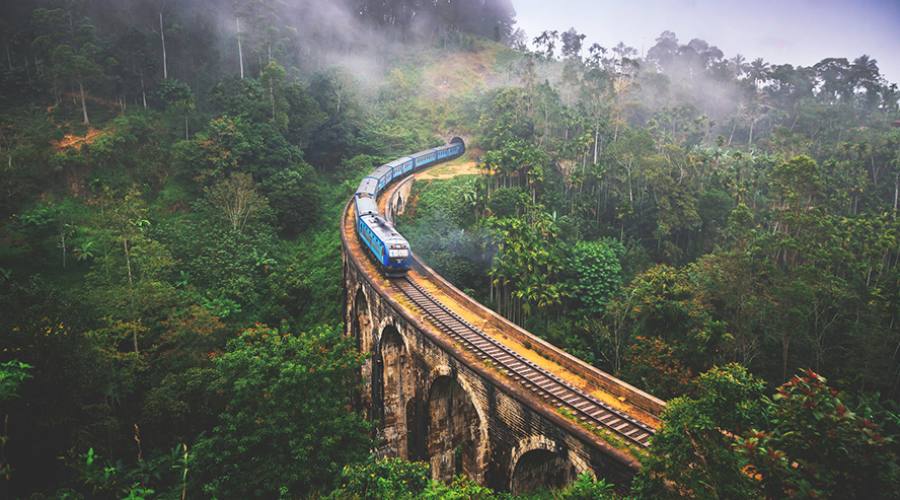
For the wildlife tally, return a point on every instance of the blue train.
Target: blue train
(388, 247)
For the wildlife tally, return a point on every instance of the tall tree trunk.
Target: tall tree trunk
(162, 36)
(62, 241)
(83, 104)
(240, 46)
(143, 90)
(896, 189)
(272, 97)
(750, 140)
(128, 262)
(9, 58)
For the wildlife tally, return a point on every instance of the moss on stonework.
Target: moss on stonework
(614, 440)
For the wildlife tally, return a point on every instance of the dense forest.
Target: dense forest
(681, 217)
(722, 233)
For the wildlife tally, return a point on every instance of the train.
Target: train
(387, 247)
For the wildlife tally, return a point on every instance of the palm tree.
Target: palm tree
(864, 73)
(738, 65)
(758, 72)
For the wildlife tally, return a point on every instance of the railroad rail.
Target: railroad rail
(544, 384)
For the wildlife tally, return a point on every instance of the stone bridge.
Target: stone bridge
(433, 400)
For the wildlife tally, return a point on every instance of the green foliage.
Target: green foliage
(398, 479)
(691, 455)
(173, 93)
(293, 194)
(586, 487)
(816, 446)
(598, 273)
(731, 441)
(461, 488)
(113, 479)
(507, 202)
(652, 363)
(285, 422)
(12, 375)
(435, 230)
(525, 263)
(382, 478)
(662, 305)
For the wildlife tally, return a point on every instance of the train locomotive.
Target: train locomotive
(383, 243)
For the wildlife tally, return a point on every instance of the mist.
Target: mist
(800, 32)
(310, 35)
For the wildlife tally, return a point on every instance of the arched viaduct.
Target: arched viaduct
(435, 399)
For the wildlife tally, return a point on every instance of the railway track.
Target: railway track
(547, 386)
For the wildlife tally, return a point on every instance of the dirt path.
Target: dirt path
(450, 170)
(71, 141)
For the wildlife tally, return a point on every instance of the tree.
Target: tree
(572, 43)
(758, 72)
(598, 273)
(546, 43)
(70, 48)
(12, 375)
(177, 95)
(525, 268)
(237, 200)
(294, 196)
(286, 424)
(837, 82)
(865, 75)
(128, 277)
(382, 478)
(676, 332)
(691, 455)
(816, 446)
(273, 76)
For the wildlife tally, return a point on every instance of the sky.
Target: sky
(799, 32)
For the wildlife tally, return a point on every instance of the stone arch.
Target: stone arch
(456, 440)
(361, 331)
(361, 321)
(540, 462)
(394, 389)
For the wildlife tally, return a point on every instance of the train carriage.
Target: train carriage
(384, 244)
(366, 206)
(424, 158)
(368, 186)
(384, 174)
(402, 166)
